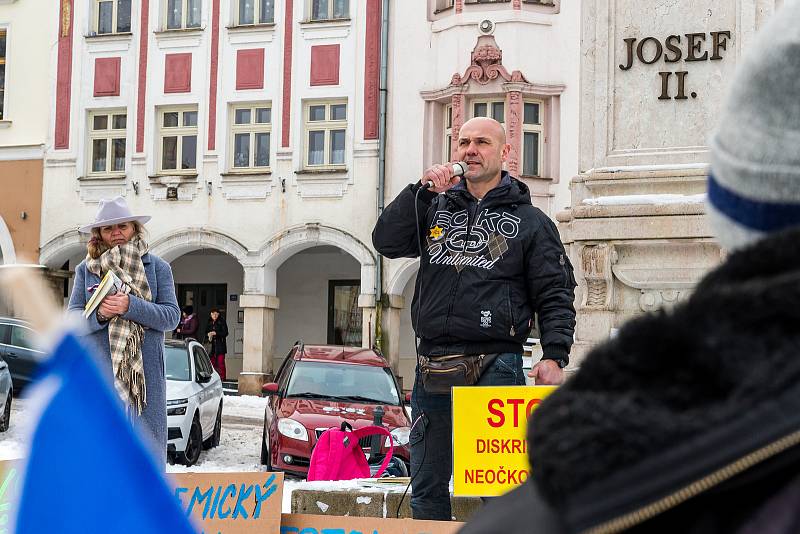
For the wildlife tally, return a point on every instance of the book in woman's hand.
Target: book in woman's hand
(109, 285)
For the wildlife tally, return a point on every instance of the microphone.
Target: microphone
(458, 168)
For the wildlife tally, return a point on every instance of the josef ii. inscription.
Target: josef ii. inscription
(688, 47)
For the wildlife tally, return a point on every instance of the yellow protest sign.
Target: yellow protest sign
(490, 454)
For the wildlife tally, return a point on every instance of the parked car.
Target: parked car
(318, 387)
(19, 348)
(6, 395)
(194, 401)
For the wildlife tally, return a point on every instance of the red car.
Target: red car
(319, 386)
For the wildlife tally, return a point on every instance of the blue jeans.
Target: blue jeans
(432, 441)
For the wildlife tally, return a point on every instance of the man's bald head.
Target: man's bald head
(482, 146)
(485, 126)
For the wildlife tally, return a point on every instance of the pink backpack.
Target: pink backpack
(338, 454)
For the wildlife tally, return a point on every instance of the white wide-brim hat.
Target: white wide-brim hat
(114, 211)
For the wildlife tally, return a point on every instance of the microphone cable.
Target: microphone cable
(416, 350)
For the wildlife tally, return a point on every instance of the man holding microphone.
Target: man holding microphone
(489, 261)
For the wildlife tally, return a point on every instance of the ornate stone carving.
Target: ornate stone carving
(653, 299)
(596, 261)
(487, 63)
(514, 130)
(66, 17)
(458, 120)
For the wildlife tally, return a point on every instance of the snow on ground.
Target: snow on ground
(12, 440)
(244, 406)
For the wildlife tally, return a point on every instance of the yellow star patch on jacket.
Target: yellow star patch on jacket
(436, 232)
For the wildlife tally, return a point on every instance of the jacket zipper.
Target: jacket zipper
(458, 278)
(511, 332)
(685, 493)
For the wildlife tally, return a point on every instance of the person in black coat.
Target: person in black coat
(216, 332)
(490, 260)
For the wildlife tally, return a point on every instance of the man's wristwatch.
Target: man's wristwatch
(100, 317)
(560, 361)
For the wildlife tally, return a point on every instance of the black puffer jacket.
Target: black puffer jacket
(487, 267)
(688, 421)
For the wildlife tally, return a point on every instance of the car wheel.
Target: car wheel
(265, 451)
(6, 414)
(213, 440)
(193, 445)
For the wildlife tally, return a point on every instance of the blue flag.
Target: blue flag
(88, 470)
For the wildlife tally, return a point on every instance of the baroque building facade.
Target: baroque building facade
(248, 130)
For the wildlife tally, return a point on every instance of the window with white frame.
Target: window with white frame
(325, 128)
(3, 34)
(255, 12)
(178, 140)
(107, 142)
(251, 127)
(182, 14)
(330, 9)
(112, 16)
(532, 139)
(447, 145)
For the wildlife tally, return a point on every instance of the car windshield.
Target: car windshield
(176, 361)
(355, 383)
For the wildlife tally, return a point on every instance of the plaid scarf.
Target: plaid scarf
(125, 337)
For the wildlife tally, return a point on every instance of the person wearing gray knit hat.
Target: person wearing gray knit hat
(754, 182)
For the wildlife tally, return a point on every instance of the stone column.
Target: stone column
(368, 316)
(259, 335)
(391, 330)
(514, 131)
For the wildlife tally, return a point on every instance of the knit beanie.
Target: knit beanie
(754, 181)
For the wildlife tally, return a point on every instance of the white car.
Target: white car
(194, 401)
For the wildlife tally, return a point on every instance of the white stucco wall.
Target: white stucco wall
(303, 293)
(31, 33)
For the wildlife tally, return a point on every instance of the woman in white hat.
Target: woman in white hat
(128, 327)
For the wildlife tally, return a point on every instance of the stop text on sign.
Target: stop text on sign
(500, 409)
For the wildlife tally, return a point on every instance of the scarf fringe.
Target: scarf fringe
(131, 378)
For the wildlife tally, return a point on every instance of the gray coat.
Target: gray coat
(157, 317)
